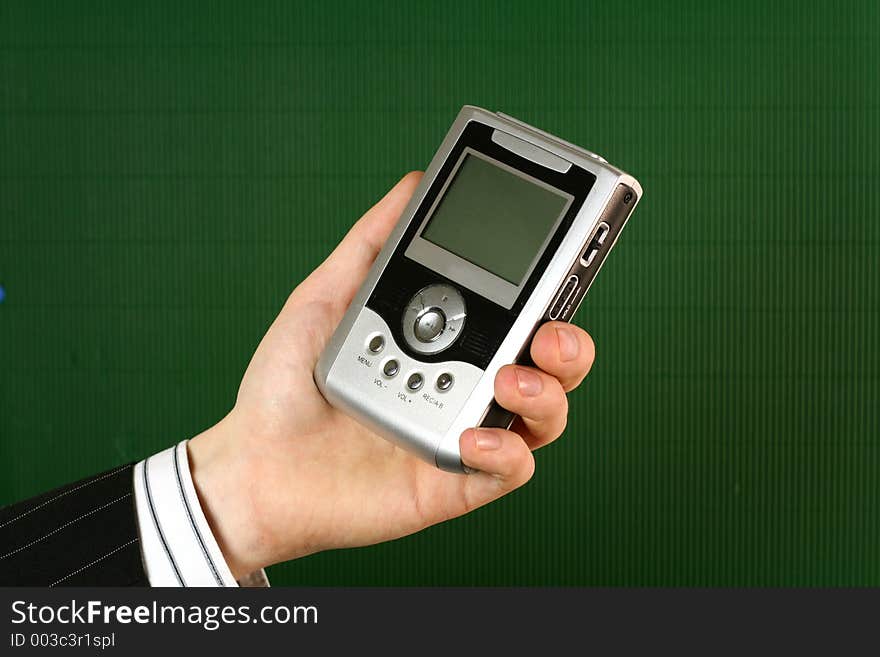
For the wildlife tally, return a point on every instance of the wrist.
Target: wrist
(226, 496)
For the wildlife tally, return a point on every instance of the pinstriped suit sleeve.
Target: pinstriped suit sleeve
(82, 534)
(138, 525)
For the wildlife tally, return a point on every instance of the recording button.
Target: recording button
(391, 368)
(444, 382)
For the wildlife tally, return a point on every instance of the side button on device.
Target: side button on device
(564, 295)
(415, 381)
(598, 240)
(391, 368)
(590, 255)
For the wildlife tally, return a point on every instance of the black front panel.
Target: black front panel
(487, 323)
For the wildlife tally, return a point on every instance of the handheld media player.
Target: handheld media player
(507, 229)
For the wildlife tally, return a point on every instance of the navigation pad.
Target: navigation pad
(433, 319)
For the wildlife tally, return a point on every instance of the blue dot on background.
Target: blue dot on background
(2, 294)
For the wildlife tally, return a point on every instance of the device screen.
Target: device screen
(495, 218)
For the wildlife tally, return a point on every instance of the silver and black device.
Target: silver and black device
(507, 230)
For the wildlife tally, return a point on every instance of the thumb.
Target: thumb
(346, 268)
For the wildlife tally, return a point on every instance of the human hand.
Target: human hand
(285, 474)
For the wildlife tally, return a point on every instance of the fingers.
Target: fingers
(503, 460)
(345, 269)
(564, 354)
(373, 228)
(537, 398)
(564, 351)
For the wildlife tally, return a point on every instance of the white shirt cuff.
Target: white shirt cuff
(177, 545)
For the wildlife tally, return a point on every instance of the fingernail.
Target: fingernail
(487, 439)
(568, 344)
(529, 383)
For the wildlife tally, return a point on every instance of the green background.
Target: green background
(168, 172)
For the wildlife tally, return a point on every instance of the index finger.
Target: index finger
(564, 351)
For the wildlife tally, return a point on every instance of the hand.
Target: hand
(285, 474)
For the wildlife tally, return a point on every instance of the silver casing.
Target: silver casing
(429, 422)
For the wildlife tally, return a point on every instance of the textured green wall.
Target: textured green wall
(169, 173)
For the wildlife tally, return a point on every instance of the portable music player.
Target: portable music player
(507, 230)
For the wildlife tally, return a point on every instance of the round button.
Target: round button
(429, 325)
(433, 319)
(376, 344)
(414, 382)
(391, 368)
(444, 381)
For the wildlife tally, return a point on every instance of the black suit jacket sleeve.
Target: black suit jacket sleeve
(83, 534)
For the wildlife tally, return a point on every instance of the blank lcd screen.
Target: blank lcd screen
(494, 218)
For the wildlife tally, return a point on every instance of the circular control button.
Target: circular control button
(433, 319)
(376, 344)
(444, 382)
(429, 325)
(415, 381)
(391, 368)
